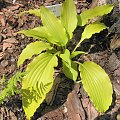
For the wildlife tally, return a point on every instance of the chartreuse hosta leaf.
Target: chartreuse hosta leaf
(69, 16)
(35, 12)
(89, 31)
(97, 84)
(69, 67)
(92, 29)
(37, 33)
(32, 49)
(37, 82)
(57, 33)
(91, 13)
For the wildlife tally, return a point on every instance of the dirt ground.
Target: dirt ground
(70, 101)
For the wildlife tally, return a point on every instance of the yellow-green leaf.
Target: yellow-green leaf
(69, 67)
(37, 82)
(37, 33)
(69, 16)
(32, 49)
(94, 12)
(76, 53)
(57, 33)
(34, 11)
(97, 84)
(92, 29)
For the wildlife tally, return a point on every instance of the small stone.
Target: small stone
(12, 59)
(4, 63)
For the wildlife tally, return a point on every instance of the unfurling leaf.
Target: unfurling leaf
(91, 13)
(69, 16)
(92, 29)
(69, 67)
(57, 33)
(35, 12)
(97, 84)
(38, 82)
(76, 53)
(33, 49)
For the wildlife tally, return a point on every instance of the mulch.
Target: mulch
(71, 101)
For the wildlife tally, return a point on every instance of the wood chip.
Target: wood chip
(115, 42)
(7, 45)
(2, 19)
(1, 55)
(10, 40)
(12, 8)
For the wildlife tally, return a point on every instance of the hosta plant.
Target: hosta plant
(51, 45)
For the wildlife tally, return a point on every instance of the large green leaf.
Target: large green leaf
(38, 82)
(92, 29)
(37, 33)
(69, 67)
(57, 33)
(91, 13)
(97, 84)
(32, 49)
(69, 16)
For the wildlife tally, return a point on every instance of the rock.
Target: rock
(12, 59)
(4, 63)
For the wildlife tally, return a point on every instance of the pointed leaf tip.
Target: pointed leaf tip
(54, 27)
(69, 16)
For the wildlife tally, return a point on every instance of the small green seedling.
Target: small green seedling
(52, 40)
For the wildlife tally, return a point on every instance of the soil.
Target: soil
(70, 101)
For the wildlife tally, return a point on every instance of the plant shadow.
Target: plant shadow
(64, 88)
